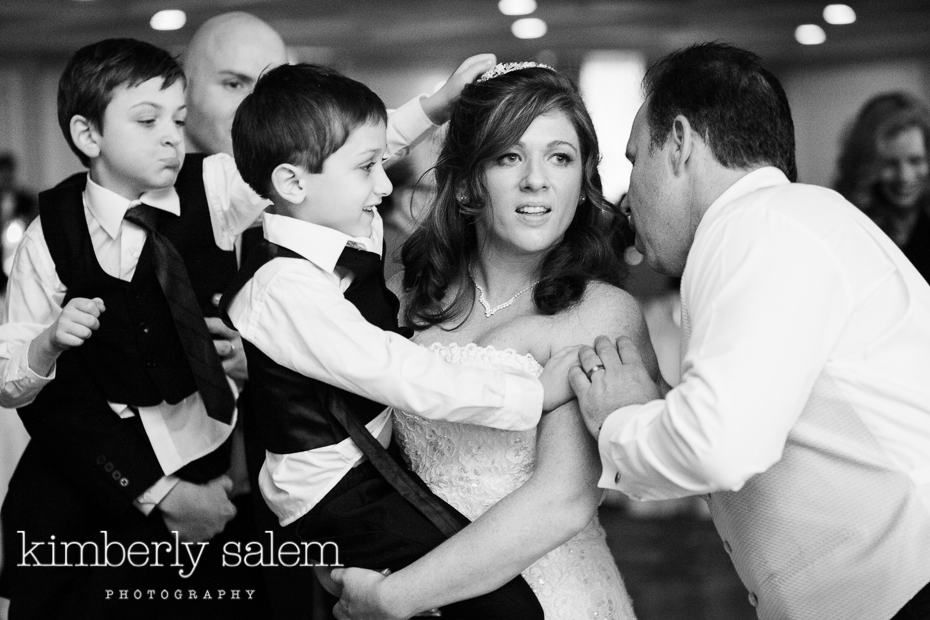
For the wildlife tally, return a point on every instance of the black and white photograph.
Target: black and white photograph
(464, 309)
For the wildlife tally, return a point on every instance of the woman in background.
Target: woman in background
(884, 170)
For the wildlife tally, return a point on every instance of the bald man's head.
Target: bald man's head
(222, 62)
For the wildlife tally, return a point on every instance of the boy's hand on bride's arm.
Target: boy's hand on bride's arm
(363, 596)
(620, 378)
(554, 378)
(438, 106)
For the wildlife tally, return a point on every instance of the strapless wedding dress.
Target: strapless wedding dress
(473, 467)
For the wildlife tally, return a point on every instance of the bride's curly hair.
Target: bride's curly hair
(489, 118)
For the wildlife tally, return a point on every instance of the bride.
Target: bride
(509, 266)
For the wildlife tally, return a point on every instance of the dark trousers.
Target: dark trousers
(374, 527)
(918, 608)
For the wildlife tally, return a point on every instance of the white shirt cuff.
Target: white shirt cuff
(407, 126)
(611, 478)
(21, 383)
(154, 494)
(523, 401)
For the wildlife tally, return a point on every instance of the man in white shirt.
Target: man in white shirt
(803, 411)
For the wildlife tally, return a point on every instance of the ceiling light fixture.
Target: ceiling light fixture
(528, 28)
(809, 34)
(839, 14)
(169, 19)
(516, 7)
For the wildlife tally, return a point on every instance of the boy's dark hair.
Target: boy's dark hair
(298, 114)
(87, 83)
(739, 108)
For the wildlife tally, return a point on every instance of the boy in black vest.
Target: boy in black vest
(122, 391)
(320, 332)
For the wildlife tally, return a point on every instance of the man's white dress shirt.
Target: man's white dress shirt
(803, 407)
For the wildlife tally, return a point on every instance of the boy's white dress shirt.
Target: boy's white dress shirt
(294, 311)
(178, 433)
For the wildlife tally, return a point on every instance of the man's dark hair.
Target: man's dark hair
(298, 114)
(739, 108)
(87, 83)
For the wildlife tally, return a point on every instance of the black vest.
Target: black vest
(135, 356)
(291, 410)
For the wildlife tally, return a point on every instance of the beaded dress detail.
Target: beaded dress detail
(473, 467)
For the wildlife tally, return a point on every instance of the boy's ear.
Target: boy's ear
(287, 181)
(85, 136)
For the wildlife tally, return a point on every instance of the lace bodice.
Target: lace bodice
(473, 467)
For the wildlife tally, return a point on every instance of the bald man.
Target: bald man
(223, 61)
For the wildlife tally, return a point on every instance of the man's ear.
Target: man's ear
(287, 180)
(85, 136)
(682, 138)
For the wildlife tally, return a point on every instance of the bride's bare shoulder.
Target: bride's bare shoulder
(604, 301)
(603, 310)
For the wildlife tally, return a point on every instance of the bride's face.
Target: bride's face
(534, 187)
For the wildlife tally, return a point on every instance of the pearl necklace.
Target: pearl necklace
(483, 300)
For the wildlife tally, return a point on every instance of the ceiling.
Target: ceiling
(347, 32)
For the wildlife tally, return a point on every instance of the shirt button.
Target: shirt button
(617, 478)
(117, 475)
(753, 600)
(727, 547)
(108, 467)
(124, 482)
(101, 459)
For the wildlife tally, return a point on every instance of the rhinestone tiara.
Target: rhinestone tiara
(503, 68)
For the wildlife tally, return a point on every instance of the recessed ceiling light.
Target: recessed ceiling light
(528, 28)
(169, 19)
(516, 7)
(809, 34)
(839, 14)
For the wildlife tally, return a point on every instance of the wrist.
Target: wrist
(436, 107)
(42, 353)
(393, 600)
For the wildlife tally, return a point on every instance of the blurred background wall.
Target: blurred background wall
(404, 47)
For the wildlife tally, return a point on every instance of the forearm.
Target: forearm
(42, 354)
(320, 335)
(484, 556)
(554, 504)
(407, 126)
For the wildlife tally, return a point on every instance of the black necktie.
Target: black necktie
(379, 307)
(196, 341)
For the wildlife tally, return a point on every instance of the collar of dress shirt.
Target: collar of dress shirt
(108, 207)
(767, 176)
(318, 244)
